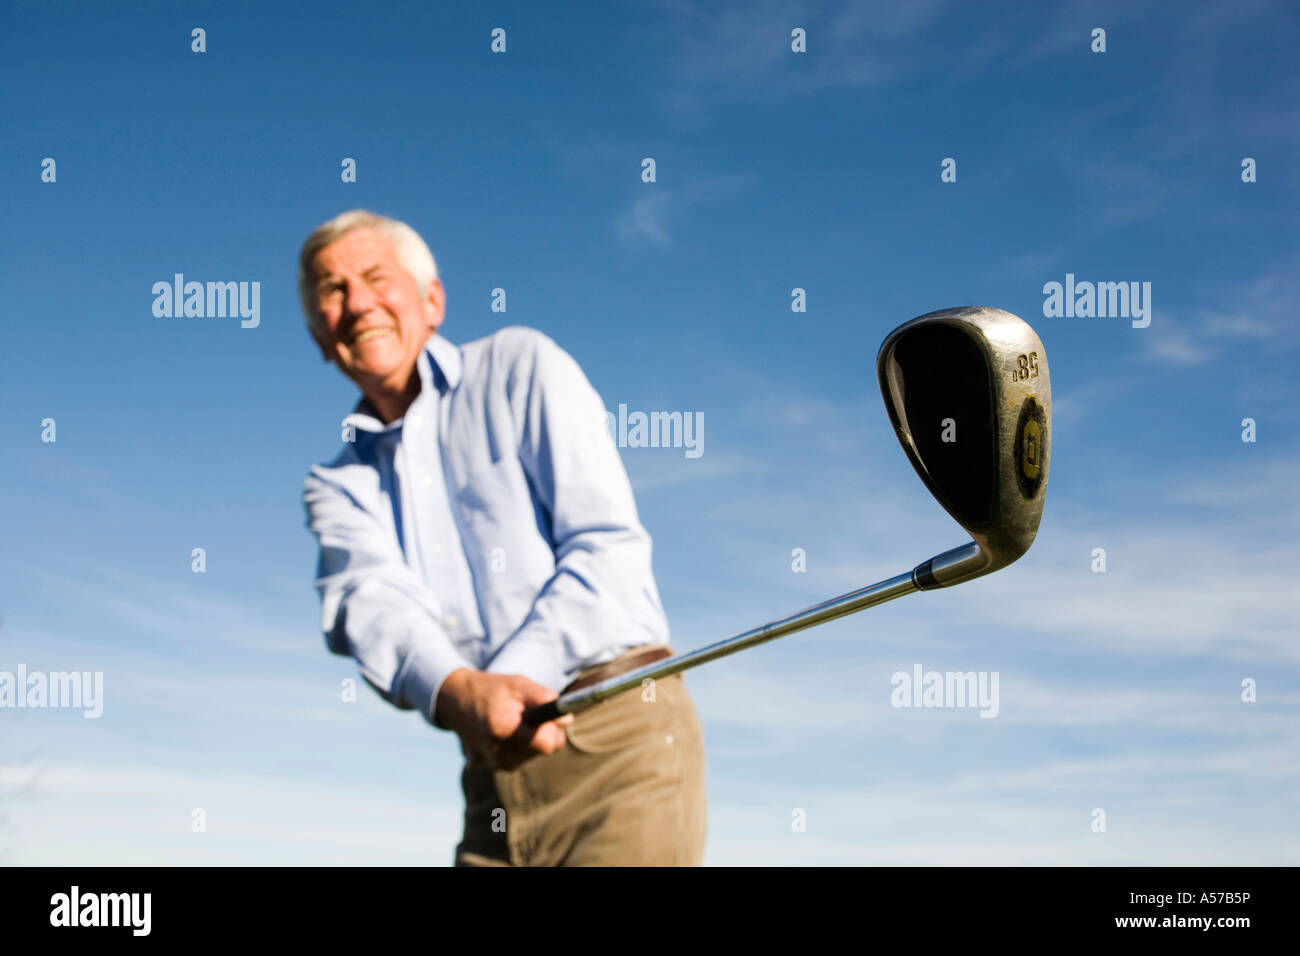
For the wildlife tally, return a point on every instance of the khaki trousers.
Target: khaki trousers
(628, 789)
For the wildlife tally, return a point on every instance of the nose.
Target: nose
(360, 298)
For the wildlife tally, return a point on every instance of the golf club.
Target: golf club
(968, 393)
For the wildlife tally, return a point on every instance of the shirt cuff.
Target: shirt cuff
(423, 675)
(536, 659)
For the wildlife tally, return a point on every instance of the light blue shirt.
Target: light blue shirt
(493, 527)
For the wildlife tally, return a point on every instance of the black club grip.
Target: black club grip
(536, 716)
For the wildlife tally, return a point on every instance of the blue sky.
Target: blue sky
(775, 171)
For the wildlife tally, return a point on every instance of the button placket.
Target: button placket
(424, 496)
(406, 504)
(460, 569)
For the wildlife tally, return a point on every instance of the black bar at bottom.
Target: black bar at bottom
(336, 906)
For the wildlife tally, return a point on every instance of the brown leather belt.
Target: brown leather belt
(620, 665)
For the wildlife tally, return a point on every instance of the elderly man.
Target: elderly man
(480, 552)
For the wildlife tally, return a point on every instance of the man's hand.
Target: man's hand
(486, 710)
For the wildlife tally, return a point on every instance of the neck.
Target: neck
(390, 403)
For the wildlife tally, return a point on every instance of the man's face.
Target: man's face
(374, 320)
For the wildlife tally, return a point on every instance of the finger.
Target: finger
(525, 732)
(533, 692)
(549, 739)
(522, 737)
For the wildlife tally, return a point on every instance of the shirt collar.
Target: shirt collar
(438, 354)
(447, 358)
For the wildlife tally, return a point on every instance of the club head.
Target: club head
(969, 395)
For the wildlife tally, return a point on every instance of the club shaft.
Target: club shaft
(837, 607)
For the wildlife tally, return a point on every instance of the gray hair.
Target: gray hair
(412, 253)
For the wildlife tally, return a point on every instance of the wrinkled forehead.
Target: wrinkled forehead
(355, 251)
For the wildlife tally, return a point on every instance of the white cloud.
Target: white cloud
(1041, 816)
(658, 209)
(646, 217)
(1252, 311)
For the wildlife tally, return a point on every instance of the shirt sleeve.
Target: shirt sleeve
(602, 593)
(373, 607)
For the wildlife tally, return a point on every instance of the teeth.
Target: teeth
(370, 334)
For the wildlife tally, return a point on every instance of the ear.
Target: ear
(435, 305)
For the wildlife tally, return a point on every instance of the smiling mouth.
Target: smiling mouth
(369, 334)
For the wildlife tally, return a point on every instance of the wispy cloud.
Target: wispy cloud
(725, 54)
(646, 218)
(657, 210)
(1039, 816)
(1251, 311)
(1171, 341)
(141, 815)
(1073, 406)
(668, 468)
(1181, 587)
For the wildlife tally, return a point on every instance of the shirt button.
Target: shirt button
(453, 622)
(437, 549)
(426, 481)
(415, 421)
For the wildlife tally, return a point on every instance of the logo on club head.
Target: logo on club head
(1031, 447)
